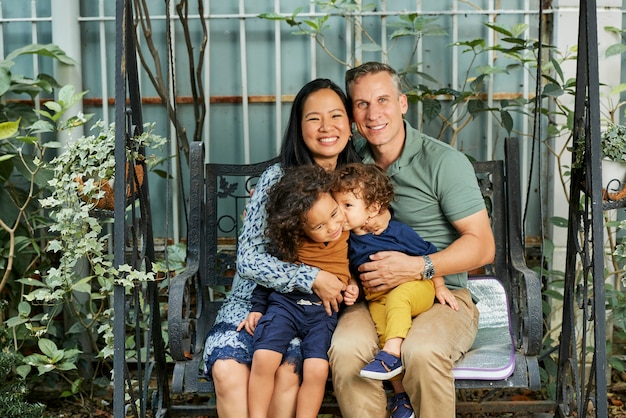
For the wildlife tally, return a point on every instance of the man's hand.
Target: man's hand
(250, 322)
(389, 269)
(328, 288)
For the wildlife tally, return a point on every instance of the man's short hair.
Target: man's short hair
(372, 67)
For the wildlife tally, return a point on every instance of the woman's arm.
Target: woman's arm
(253, 261)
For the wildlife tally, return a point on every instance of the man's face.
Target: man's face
(378, 108)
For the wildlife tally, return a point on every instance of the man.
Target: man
(437, 195)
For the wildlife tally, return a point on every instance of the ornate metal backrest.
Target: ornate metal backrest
(228, 188)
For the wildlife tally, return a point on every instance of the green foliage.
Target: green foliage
(614, 142)
(24, 146)
(13, 392)
(53, 242)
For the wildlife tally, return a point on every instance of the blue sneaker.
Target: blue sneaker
(383, 367)
(400, 406)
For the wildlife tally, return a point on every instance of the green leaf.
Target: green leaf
(615, 49)
(557, 67)
(519, 29)
(15, 321)
(475, 106)
(499, 28)
(9, 129)
(49, 50)
(49, 348)
(66, 365)
(613, 29)
(28, 139)
(507, 121)
(31, 282)
(24, 308)
(23, 370)
(431, 109)
(618, 89)
(552, 90)
(5, 81)
(558, 221)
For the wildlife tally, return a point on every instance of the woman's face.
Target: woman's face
(325, 127)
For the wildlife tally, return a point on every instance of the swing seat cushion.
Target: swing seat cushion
(492, 356)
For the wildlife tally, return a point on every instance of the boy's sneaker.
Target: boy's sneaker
(400, 406)
(383, 367)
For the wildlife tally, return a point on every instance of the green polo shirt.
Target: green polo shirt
(434, 184)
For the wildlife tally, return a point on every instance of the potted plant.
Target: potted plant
(614, 158)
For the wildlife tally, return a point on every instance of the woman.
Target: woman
(318, 132)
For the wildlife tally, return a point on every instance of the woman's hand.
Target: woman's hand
(250, 322)
(328, 288)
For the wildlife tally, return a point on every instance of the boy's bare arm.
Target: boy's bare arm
(443, 294)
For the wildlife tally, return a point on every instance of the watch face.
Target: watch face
(429, 270)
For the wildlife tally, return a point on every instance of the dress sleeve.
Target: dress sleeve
(253, 261)
(260, 296)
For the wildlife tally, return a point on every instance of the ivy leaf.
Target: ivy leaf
(23, 370)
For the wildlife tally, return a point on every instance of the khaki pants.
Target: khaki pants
(437, 338)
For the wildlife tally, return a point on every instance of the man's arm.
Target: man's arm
(474, 248)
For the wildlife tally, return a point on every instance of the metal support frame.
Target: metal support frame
(581, 389)
(134, 243)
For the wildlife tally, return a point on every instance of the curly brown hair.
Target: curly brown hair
(367, 181)
(289, 201)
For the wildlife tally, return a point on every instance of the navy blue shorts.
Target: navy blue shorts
(287, 318)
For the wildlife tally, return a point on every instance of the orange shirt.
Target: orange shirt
(328, 256)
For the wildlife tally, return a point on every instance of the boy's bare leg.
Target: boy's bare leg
(393, 346)
(261, 383)
(311, 395)
(287, 385)
(397, 386)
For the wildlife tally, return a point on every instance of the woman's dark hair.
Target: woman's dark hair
(289, 201)
(294, 151)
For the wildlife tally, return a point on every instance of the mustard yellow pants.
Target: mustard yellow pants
(393, 311)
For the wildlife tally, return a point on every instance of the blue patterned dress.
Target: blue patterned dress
(254, 265)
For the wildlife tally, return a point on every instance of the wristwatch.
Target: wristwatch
(429, 269)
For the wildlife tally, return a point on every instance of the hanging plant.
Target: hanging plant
(88, 165)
